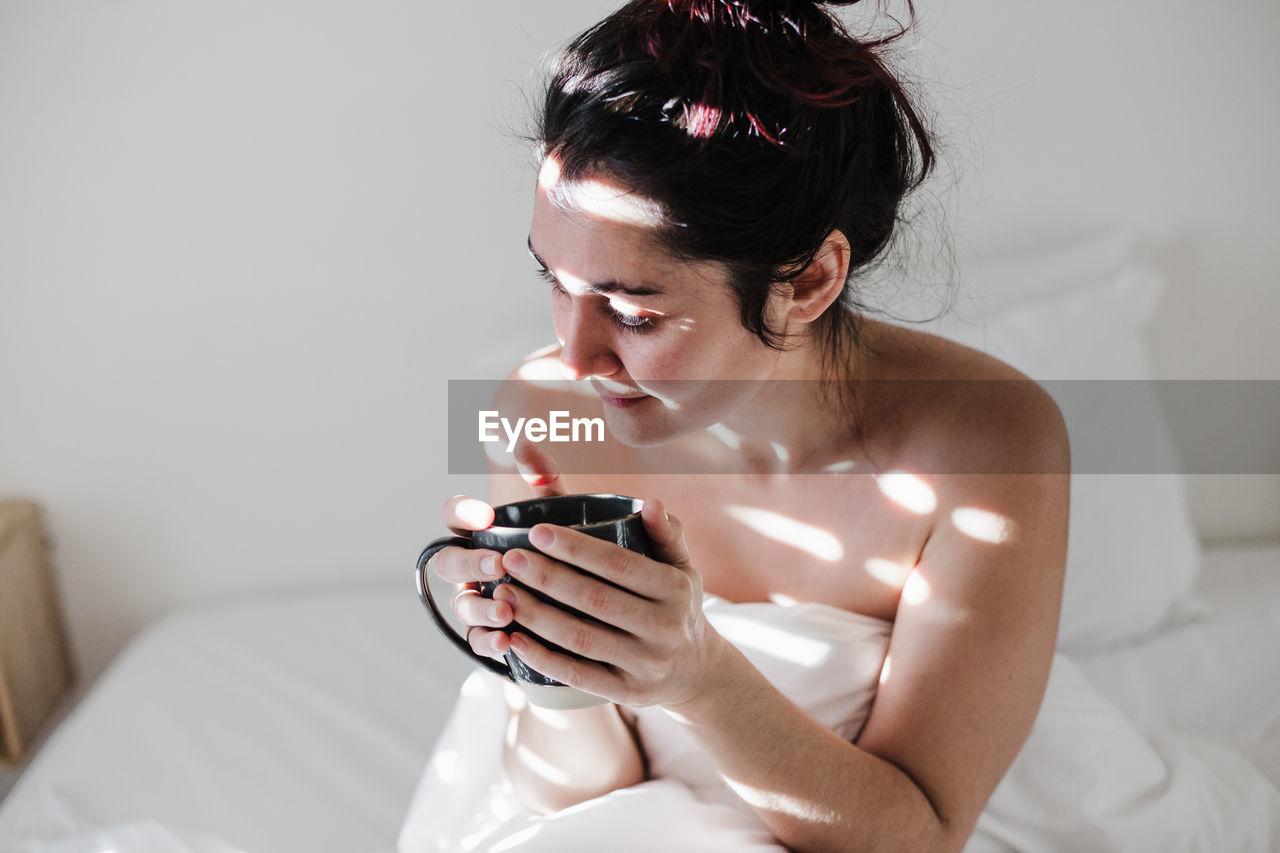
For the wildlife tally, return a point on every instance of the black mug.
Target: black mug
(613, 518)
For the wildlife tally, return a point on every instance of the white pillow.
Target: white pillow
(1077, 312)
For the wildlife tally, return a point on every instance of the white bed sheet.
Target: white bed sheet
(1218, 674)
(303, 722)
(287, 723)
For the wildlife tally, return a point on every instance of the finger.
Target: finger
(566, 585)
(456, 564)
(476, 610)
(461, 513)
(607, 560)
(666, 534)
(493, 644)
(577, 634)
(538, 469)
(589, 676)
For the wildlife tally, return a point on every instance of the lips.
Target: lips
(620, 401)
(624, 402)
(609, 395)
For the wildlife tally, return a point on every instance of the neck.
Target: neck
(796, 422)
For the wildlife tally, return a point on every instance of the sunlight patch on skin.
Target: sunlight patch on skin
(884, 670)
(534, 762)
(887, 572)
(667, 401)
(631, 309)
(838, 467)
(915, 590)
(555, 719)
(776, 801)
(908, 490)
(541, 766)
(782, 600)
(614, 387)
(599, 199)
(814, 540)
(677, 716)
(516, 700)
(549, 174)
(608, 385)
(982, 524)
(730, 438)
(618, 302)
(546, 372)
(777, 643)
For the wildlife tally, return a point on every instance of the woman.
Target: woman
(714, 176)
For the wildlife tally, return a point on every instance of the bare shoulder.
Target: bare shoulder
(965, 411)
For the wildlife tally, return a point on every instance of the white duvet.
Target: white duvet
(1086, 779)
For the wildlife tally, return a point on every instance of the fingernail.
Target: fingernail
(489, 566)
(494, 612)
(542, 536)
(515, 562)
(493, 641)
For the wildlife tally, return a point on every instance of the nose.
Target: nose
(585, 345)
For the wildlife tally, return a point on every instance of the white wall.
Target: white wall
(244, 244)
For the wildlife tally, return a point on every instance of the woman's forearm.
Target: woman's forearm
(556, 759)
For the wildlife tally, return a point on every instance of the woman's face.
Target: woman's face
(658, 339)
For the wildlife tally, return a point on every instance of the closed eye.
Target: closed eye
(626, 322)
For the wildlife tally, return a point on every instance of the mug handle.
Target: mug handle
(424, 593)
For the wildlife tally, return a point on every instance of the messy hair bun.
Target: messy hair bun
(759, 126)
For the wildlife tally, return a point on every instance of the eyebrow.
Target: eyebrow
(605, 286)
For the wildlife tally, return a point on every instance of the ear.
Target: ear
(820, 283)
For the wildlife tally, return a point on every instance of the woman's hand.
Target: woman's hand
(466, 567)
(655, 646)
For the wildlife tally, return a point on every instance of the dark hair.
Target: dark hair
(759, 126)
